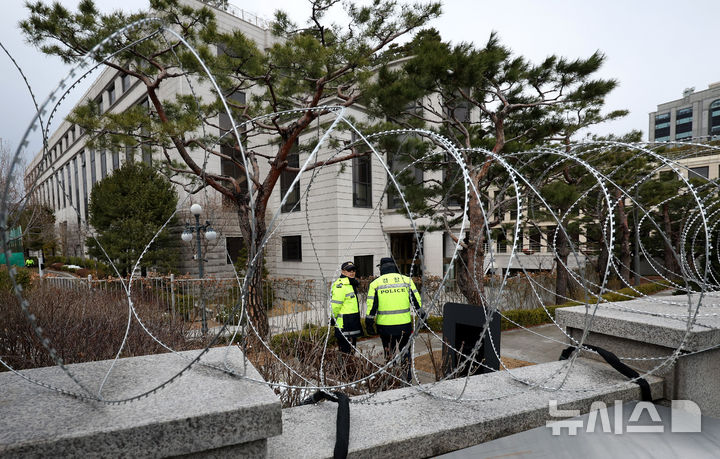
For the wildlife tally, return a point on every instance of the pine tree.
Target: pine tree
(307, 66)
(127, 209)
(490, 98)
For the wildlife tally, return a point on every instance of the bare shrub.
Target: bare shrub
(83, 326)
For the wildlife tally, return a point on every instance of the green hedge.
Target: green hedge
(539, 316)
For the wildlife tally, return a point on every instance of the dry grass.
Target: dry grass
(283, 307)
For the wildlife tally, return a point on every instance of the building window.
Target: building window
(702, 172)
(364, 265)
(111, 94)
(500, 240)
(286, 178)
(99, 103)
(683, 123)
(535, 239)
(362, 178)
(84, 176)
(69, 184)
(147, 155)
(458, 108)
(103, 165)
(235, 248)
(115, 160)
(292, 248)
(126, 81)
(403, 173)
(60, 181)
(714, 116)
(93, 175)
(77, 185)
(662, 127)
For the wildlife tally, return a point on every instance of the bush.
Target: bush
(22, 277)
(539, 316)
(283, 343)
(83, 326)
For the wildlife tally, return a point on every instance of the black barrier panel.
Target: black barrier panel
(462, 325)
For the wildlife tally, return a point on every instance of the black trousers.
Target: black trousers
(343, 343)
(397, 338)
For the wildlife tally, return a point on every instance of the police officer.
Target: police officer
(388, 305)
(345, 311)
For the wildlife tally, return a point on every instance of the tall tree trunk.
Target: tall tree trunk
(256, 309)
(669, 256)
(624, 239)
(471, 280)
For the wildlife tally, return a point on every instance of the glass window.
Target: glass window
(683, 124)
(699, 172)
(362, 178)
(60, 183)
(234, 247)
(714, 122)
(84, 182)
(111, 94)
(103, 164)
(286, 178)
(458, 107)
(535, 239)
(400, 167)
(662, 127)
(230, 166)
(501, 241)
(115, 160)
(292, 248)
(364, 265)
(54, 202)
(77, 185)
(99, 103)
(93, 175)
(126, 82)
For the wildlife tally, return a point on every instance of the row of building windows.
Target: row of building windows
(57, 191)
(74, 132)
(684, 124)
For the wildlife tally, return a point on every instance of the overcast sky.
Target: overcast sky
(655, 49)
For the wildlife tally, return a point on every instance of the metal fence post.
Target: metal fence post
(172, 294)
(89, 281)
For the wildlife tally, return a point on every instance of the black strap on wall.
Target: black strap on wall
(614, 362)
(342, 423)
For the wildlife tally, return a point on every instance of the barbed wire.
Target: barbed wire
(609, 188)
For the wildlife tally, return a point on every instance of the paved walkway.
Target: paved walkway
(540, 344)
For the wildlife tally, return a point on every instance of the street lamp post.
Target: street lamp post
(210, 235)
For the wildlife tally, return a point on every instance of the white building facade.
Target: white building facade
(340, 212)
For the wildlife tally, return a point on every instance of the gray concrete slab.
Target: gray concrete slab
(202, 410)
(540, 344)
(408, 423)
(646, 332)
(662, 321)
(608, 441)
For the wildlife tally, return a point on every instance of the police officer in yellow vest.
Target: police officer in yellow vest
(388, 305)
(345, 311)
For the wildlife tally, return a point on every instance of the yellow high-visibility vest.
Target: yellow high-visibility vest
(344, 302)
(392, 293)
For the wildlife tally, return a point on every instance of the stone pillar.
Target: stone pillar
(646, 330)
